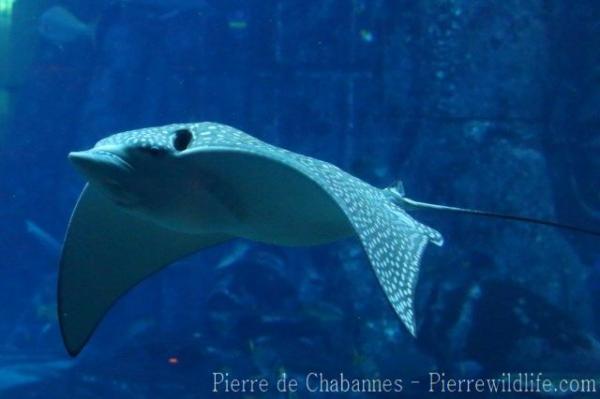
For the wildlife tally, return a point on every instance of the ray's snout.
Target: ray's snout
(85, 162)
(81, 159)
(95, 164)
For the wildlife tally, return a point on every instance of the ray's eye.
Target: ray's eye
(182, 139)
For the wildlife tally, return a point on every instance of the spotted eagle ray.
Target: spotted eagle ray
(158, 194)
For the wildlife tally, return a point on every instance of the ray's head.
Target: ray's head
(131, 167)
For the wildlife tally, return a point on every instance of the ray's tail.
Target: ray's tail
(398, 195)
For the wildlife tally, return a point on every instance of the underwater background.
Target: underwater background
(485, 104)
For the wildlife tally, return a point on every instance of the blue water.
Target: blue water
(489, 105)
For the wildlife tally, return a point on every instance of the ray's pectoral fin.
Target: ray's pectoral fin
(396, 256)
(108, 251)
(394, 243)
(393, 240)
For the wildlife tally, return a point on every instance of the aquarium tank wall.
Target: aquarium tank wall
(310, 281)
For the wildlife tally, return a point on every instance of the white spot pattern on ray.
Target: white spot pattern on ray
(393, 240)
